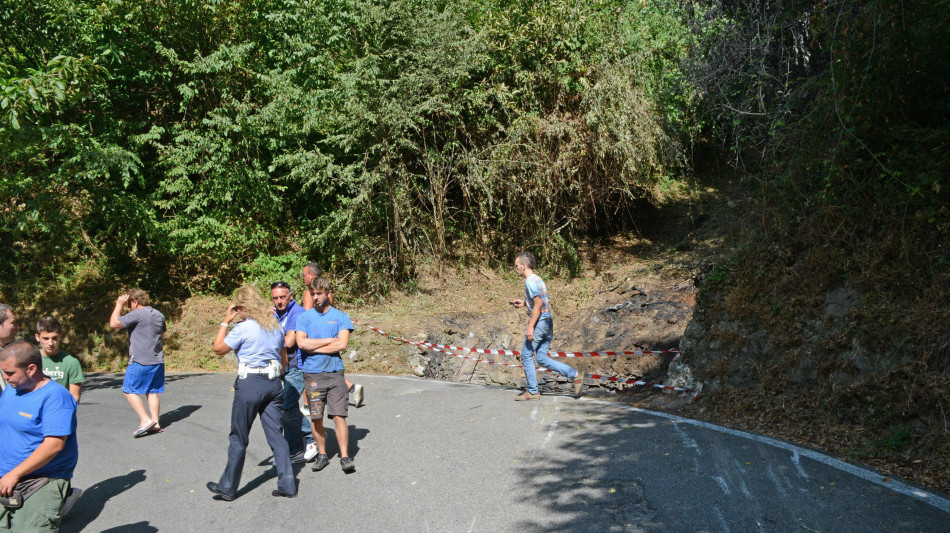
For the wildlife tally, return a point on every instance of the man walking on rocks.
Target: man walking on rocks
(537, 336)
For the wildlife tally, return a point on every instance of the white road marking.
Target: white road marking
(921, 495)
(722, 484)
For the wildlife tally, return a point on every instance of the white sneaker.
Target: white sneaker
(70, 500)
(310, 452)
(357, 395)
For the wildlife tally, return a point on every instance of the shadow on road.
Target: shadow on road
(177, 415)
(114, 381)
(94, 499)
(138, 527)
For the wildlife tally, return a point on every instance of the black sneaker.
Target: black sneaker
(298, 458)
(320, 463)
(347, 464)
(213, 487)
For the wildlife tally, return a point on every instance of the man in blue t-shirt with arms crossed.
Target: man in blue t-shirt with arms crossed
(38, 432)
(322, 333)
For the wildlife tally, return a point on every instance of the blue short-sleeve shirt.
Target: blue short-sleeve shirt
(26, 418)
(534, 286)
(323, 326)
(254, 345)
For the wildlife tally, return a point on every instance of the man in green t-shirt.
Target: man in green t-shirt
(57, 364)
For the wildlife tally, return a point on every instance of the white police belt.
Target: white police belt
(272, 370)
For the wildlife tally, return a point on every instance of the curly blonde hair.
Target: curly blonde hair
(256, 307)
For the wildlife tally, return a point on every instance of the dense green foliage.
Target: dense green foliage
(199, 140)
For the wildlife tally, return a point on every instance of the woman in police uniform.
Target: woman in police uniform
(258, 341)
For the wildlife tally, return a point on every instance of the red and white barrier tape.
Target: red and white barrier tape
(442, 348)
(517, 353)
(638, 382)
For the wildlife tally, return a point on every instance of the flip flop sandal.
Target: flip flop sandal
(142, 430)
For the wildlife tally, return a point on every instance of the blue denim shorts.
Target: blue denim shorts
(144, 379)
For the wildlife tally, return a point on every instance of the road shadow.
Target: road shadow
(177, 415)
(94, 498)
(356, 435)
(628, 475)
(138, 527)
(97, 380)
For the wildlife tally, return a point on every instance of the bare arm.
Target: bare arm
(219, 347)
(535, 316)
(331, 345)
(117, 312)
(76, 390)
(290, 339)
(44, 453)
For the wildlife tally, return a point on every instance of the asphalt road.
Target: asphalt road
(434, 456)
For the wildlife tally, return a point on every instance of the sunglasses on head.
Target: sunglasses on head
(280, 285)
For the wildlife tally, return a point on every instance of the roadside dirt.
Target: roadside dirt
(636, 292)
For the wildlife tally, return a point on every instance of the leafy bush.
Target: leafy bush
(202, 138)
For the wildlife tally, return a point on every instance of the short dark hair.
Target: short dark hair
(313, 268)
(528, 259)
(48, 324)
(24, 353)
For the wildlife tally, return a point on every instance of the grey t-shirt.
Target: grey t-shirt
(146, 326)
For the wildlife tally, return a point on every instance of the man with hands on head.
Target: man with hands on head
(146, 371)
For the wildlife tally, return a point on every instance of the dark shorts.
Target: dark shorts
(144, 379)
(326, 389)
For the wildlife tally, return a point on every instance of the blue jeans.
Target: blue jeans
(543, 331)
(296, 427)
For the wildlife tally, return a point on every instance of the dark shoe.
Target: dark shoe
(213, 487)
(525, 396)
(321, 462)
(578, 384)
(279, 494)
(298, 458)
(347, 464)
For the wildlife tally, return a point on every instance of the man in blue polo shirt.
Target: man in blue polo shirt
(38, 432)
(296, 429)
(322, 333)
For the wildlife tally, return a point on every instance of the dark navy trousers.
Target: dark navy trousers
(254, 396)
